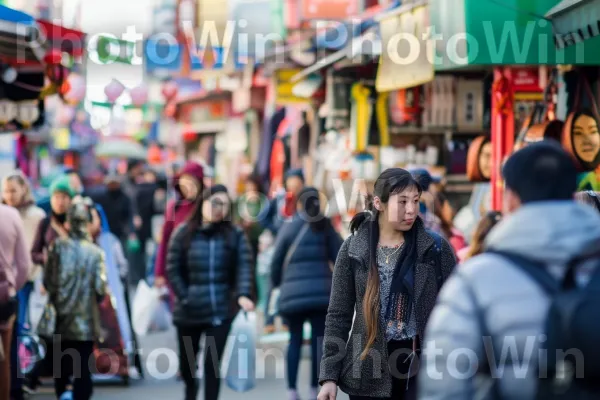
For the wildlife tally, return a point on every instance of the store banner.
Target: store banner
(406, 56)
(329, 9)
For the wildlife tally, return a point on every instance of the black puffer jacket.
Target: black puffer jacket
(209, 277)
(305, 283)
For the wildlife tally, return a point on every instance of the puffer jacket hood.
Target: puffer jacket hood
(551, 232)
(190, 168)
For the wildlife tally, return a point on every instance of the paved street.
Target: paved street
(271, 387)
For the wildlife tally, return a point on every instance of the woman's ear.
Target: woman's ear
(377, 204)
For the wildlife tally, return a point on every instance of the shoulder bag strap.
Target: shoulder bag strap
(292, 249)
(536, 271)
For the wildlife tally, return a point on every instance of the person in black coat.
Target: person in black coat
(305, 249)
(209, 266)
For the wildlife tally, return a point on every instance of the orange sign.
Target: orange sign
(329, 9)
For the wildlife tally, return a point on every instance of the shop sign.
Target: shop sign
(284, 91)
(205, 116)
(526, 80)
(404, 64)
(329, 9)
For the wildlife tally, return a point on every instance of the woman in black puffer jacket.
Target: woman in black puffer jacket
(304, 250)
(209, 268)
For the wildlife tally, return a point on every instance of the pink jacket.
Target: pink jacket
(14, 255)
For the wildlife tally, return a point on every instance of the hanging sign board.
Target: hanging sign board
(405, 63)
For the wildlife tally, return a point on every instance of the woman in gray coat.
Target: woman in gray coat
(387, 276)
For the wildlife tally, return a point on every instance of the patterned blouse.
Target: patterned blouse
(406, 328)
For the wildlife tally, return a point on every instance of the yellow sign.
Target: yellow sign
(406, 58)
(284, 90)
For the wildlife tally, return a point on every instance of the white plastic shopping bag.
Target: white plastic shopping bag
(241, 371)
(149, 313)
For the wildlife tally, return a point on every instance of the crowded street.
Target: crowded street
(299, 199)
(270, 386)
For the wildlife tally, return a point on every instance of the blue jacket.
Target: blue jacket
(305, 283)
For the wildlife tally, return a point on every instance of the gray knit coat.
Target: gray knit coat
(345, 339)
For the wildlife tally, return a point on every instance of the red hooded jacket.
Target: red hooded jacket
(177, 212)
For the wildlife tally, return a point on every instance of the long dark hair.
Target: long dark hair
(391, 181)
(311, 209)
(195, 219)
(485, 225)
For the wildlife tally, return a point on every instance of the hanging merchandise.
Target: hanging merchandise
(360, 116)
(542, 123)
(580, 134)
(479, 160)
(381, 109)
(405, 106)
(440, 102)
(337, 100)
(28, 113)
(8, 111)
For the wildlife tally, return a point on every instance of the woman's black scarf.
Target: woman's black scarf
(401, 297)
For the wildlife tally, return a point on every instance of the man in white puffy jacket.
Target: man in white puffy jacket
(489, 296)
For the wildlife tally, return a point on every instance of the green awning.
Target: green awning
(574, 21)
(511, 32)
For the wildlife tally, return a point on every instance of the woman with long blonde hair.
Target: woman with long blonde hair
(388, 273)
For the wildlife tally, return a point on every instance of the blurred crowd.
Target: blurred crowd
(390, 288)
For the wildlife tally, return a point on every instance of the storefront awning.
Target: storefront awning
(20, 41)
(574, 21)
(355, 48)
(66, 40)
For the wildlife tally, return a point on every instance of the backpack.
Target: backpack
(437, 248)
(572, 325)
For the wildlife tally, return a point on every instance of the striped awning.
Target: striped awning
(574, 21)
(21, 41)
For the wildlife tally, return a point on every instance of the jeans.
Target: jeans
(399, 385)
(188, 338)
(296, 327)
(24, 294)
(74, 363)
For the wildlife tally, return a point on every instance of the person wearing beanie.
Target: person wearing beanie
(53, 225)
(209, 267)
(188, 185)
(427, 203)
(75, 279)
(493, 295)
(50, 228)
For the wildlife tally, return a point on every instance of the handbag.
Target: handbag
(276, 292)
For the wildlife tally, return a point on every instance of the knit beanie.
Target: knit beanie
(62, 184)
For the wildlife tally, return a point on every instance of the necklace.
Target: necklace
(388, 255)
